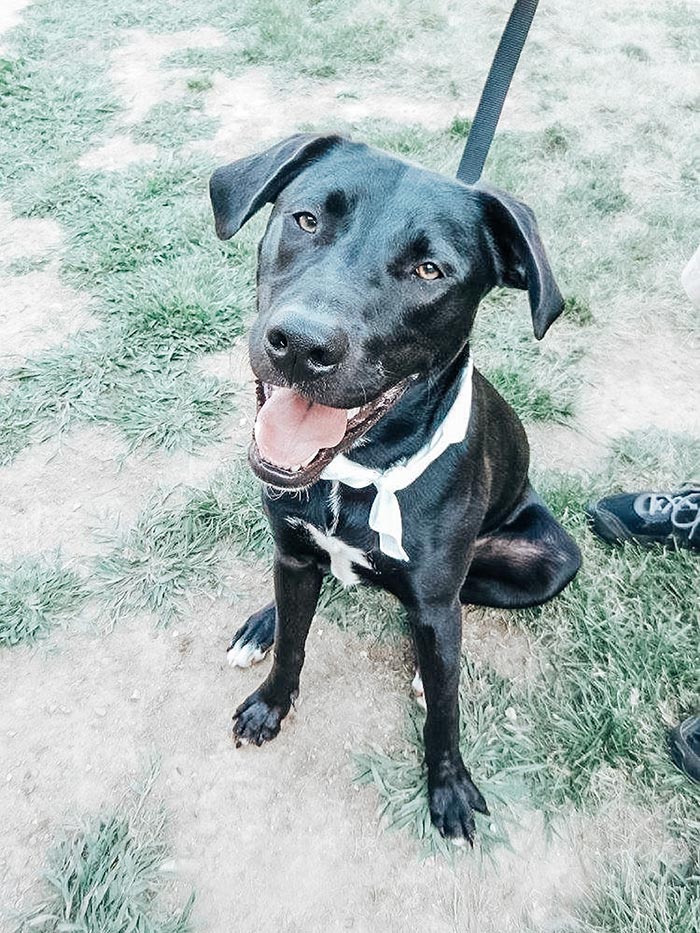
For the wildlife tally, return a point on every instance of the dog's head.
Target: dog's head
(370, 272)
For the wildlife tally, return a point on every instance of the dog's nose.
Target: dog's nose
(303, 349)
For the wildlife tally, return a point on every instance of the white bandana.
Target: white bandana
(385, 515)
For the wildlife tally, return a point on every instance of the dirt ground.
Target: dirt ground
(277, 838)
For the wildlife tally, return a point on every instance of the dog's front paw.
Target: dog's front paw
(258, 720)
(453, 799)
(253, 639)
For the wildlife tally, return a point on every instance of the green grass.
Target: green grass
(107, 876)
(36, 595)
(639, 896)
(178, 308)
(175, 549)
(320, 40)
(98, 379)
(538, 379)
(171, 124)
(139, 242)
(369, 613)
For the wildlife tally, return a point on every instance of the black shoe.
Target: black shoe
(684, 745)
(649, 517)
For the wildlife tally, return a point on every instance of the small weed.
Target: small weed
(636, 52)
(460, 127)
(556, 139)
(107, 875)
(200, 83)
(578, 311)
(24, 265)
(36, 594)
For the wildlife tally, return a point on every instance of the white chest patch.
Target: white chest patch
(342, 556)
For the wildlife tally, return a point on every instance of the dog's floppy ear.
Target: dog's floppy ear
(519, 257)
(240, 189)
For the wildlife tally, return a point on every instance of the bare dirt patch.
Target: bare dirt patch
(38, 311)
(10, 11)
(640, 376)
(276, 838)
(60, 494)
(488, 638)
(257, 106)
(138, 78)
(26, 236)
(117, 153)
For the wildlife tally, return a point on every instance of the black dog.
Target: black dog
(369, 277)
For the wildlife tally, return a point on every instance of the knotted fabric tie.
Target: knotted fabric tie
(385, 515)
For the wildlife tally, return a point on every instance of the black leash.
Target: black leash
(494, 94)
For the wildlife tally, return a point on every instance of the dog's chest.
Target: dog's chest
(340, 530)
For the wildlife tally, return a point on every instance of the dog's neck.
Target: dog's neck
(413, 421)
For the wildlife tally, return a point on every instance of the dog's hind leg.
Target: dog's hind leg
(527, 561)
(253, 639)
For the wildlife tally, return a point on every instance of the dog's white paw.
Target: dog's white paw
(246, 654)
(418, 691)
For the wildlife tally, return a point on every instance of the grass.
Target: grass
(171, 124)
(175, 549)
(639, 896)
(367, 612)
(96, 378)
(139, 242)
(538, 380)
(36, 595)
(320, 40)
(107, 875)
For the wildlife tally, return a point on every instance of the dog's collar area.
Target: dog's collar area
(385, 514)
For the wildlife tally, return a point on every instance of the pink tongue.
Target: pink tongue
(290, 430)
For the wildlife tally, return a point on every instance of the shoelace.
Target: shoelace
(653, 504)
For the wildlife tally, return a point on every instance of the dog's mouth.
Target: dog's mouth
(294, 438)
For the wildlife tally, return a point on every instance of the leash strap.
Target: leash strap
(494, 94)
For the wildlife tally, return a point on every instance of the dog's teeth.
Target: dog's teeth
(352, 412)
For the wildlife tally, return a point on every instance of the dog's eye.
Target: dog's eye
(428, 271)
(306, 221)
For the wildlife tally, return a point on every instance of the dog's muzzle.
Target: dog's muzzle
(294, 438)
